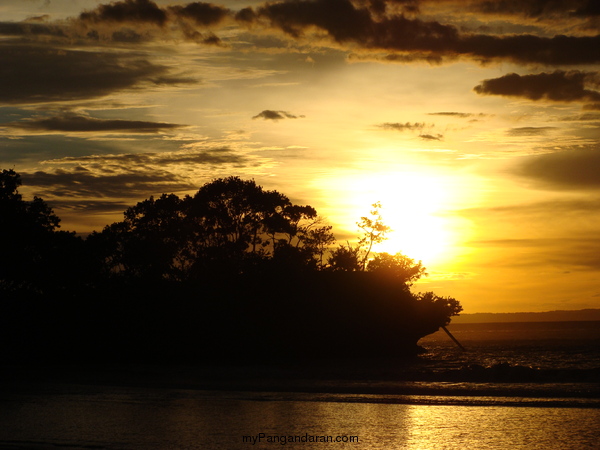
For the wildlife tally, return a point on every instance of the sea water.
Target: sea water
(447, 399)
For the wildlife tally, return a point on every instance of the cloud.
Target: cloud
(76, 123)
(128, 21)
(130, 11)
(558, 86)
(586, 117)
(555, 10)
(105, 185)
(572, 169)
(452, 114)
(133, 175)
(431, 137)
(32, 28)
(148, 12)
(346, 22)
(269, 114)
(408, 126)
(402, 126)
(85, 183)
(537, 8)
(33, 74)
(90, 206)
(201, 13)
(139, 20)
(529, 131)
(210, 156)
(369, 27)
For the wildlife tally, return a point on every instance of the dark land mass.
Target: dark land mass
(237, 319)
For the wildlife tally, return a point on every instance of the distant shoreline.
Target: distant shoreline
(546, 316)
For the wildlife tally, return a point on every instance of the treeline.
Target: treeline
(233, 272)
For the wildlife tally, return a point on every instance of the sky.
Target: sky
(474, 123)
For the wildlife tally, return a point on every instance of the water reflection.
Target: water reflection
(128, 418)
(457, 427)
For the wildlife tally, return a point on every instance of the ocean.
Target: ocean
(517, 385)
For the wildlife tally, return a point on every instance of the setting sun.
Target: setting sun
(414, 205)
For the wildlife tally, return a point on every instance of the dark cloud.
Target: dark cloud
(369, 26)
(460, 115)
(130, 11)
(574, 169)
(431, 137)
(127, 175)
(529, 131)
(587, 8)
(30, 148)
(402, 126)
(269, 114)
(37, 74)
(70, 122)
(128, 36)
(379, 7)
(544, 10)
(535, 8)
(452, 114)
(201, 13)
(346, 23)
(415, 126)
(212, 156)
(127, 21)
(558, 86)
(146, 15)
(84, 183)
(148, 12)
(518, 16)
(586, 117)
(28, 28)
(90, 206)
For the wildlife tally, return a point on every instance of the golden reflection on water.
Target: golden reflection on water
(459, 427)
(128, 418)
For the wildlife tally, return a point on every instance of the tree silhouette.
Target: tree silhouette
(148, 243)
(232, 271)
(436, 310)
(35, 254)
(374, 231)
(229, 226)
(235, 213)
(352, 258)
(397, 266)
(345, 258)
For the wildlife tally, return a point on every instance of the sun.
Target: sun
(416, 205)
(412, 206)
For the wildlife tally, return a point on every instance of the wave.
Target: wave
(506, 372)
(464, 395)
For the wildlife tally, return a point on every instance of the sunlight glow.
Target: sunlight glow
(409, 205)
(416, 205)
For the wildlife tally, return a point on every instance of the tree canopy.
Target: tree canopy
(34, 252)
(229, 226)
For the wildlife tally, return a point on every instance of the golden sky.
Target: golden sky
(475, 123)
